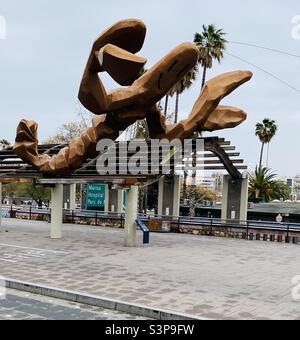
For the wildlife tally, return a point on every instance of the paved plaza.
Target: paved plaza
(25, 306)
(206, 277)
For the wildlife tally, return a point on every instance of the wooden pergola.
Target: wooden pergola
(219, 155)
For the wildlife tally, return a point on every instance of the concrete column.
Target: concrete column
(131, 216)
(161, 196)
(106, 202)
(73, 197)
(116, 201)
(169, 196)
(225, 198)
(235, 199)
(56, 211)
(176, 196)
(244, 200)
(69, 201)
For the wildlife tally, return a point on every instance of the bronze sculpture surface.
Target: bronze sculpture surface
(114, 52)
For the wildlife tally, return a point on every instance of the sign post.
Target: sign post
(95, 196)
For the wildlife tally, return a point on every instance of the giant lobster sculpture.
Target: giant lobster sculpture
(114, 52)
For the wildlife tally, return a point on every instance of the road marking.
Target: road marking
(37, 249)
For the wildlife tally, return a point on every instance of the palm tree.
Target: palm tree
(140, 128)
(184, 84)
(166, 104)
(211, 44)
(260, 185)
(4, 144)
(265, 131)
(264, 188)
(184, 192)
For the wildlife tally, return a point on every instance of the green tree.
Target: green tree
(39, 194)
(13, 190)
(66, 133)
(281, 191)
(152, 197)
(265, 131)
(211, 44)
(70, 130)
(265, 188)
(202, 194)
(4, 144)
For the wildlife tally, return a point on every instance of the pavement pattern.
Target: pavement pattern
(209, 277)
(26, 306)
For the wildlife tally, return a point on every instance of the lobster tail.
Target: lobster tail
(26, 145)
(69, 158)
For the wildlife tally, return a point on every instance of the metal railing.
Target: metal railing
(259, 230)
(250, 230)
(93, 217)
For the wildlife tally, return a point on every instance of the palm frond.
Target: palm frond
(211, 44)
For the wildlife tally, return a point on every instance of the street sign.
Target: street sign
(95, 196)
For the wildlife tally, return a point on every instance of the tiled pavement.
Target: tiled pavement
(203, 276)
(26, 306)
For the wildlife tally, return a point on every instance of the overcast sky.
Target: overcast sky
(48, 43)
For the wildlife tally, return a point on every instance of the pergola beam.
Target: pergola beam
(218, 155)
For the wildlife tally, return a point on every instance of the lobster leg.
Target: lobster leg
(206, 114)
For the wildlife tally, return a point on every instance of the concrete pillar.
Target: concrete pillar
(176, 195)
(73, 197)
(106, 202)
(69, 201)
(131, 216)
(116, 201)
(169, 196)
(235, 199)
(56, 211)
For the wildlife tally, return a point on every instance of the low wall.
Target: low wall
(251, 234)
